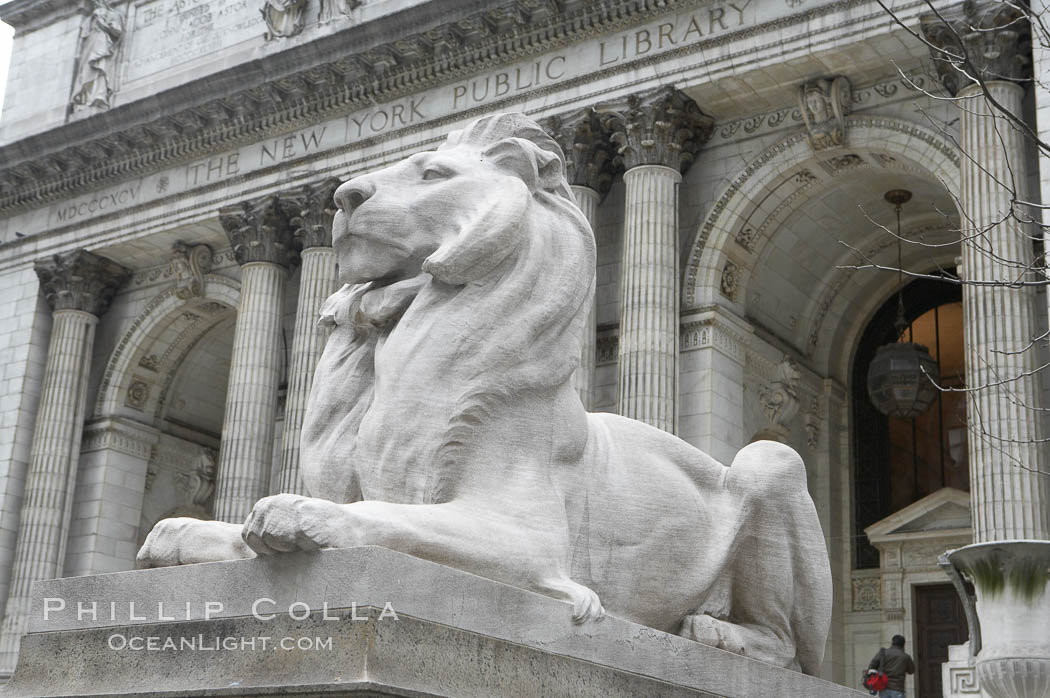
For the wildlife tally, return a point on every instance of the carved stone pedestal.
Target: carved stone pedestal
(329, 628)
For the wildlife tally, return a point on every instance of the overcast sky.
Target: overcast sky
(5, 56)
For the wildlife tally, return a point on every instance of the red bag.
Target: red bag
(876, 680)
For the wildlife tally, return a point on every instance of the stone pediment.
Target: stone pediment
(945, 512)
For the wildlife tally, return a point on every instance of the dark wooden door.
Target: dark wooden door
(939, 622)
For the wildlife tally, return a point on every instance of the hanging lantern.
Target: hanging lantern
(903, 378)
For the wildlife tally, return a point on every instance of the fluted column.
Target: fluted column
(658, 134)
(588, 168)
(78, 286)
(317, 281)
(261, 234)
(1008, 491)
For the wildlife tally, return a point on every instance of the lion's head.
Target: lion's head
(453, 212)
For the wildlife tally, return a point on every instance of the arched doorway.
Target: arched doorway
(897, 462)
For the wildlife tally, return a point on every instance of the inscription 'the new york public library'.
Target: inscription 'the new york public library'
(507, 85)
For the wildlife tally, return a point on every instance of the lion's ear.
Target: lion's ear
(538, 168)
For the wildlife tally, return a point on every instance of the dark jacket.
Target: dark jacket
(895, 664)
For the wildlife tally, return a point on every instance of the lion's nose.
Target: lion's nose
(353, 193)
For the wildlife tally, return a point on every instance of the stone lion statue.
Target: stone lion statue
(443, 423)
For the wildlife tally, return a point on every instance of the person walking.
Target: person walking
(896, 664)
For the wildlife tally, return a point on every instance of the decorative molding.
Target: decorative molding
(313, 224)
(867, 593)
(190, 264)
(138, 393)
(589, 154)
(714, 330)
(991, 39)
(730, 279)
(261, 230)
(824, 104)
(659, 127)
(963, 680)
(80, 280)
(885, 91)
(131, 439)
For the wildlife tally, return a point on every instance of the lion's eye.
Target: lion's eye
(435, 173)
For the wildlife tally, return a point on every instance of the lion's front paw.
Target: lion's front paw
(585, 603)
(284, 523)
(183, 541)
(710, 631)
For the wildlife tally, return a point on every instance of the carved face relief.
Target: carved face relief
(389, 222)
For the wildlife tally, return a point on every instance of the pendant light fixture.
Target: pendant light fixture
(903, 377)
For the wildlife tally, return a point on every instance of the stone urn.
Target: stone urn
(1010, 616)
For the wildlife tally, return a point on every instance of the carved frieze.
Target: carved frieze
(588, 150)
(80, 280)
(825, 104)
(659, 127)
(313, 224)
(190, 263)
(261, 230)
(987, 39)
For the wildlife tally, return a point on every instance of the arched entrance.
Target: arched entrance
(151, 445)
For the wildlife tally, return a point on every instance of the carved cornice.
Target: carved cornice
(314, 222)
(250, 105)
(989, 39)
(21, 13)
(120, 435)
(80, 280)
(588, 151)
(261, 230)
(659, 127)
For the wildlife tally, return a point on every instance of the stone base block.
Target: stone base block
(361, 622)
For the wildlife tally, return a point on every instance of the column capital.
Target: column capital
(991, 39)
(80, 280)
(261, 230)
(658, 127)
(313, 225)
(588, 152)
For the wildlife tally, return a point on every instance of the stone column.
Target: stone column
(317, 281)
(1009, 494)
(658, 134)
(78, 286)
(588, 167)
(261, 234)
